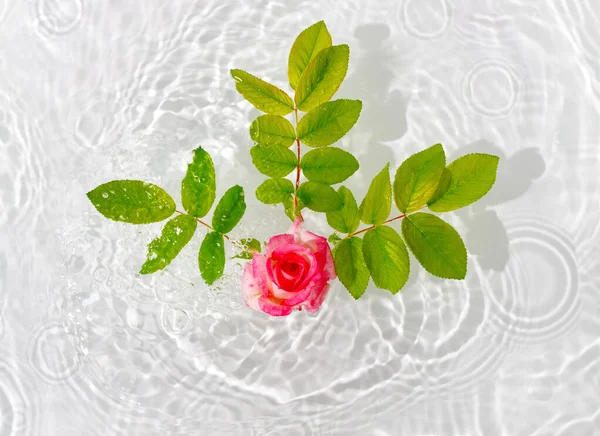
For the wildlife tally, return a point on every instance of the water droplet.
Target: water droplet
(174, 320)
(105, 195)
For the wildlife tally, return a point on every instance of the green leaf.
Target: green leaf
(132, 201)
(229, 210)
(251, 246)
(272, 130)
(328, 165)
(442, 187)
(471, 177)
(387, 258)
(176, 233)
(273, 160)
(418, 177)
(306, 46)
(198, 188)
(377, 204)
(246, 255)
(211, 258)
(350, 266)
(328, 122)
(347, 219)
(334, 238)
(263, 96)
(322, 77)
(319, 197)
(273, 191)
(436, 245)
(288, 205)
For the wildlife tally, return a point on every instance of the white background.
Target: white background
(92, 91)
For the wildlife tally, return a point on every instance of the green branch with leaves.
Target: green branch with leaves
(138, 202)
(297, 181)
(316, 69)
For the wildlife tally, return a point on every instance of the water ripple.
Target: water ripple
(425, 19)
(3, 282)
(491, 88)
(456, 350)
(19, 402)
(537, 297)
(52, 354)
(126, 90)
(114, 314)
(4, 5)
(58, 17)
(23, 182)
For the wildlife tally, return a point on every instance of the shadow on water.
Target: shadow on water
(383, 117)
(486, 237)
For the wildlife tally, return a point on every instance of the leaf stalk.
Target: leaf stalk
(211, 228)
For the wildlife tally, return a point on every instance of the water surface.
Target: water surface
(92, 91)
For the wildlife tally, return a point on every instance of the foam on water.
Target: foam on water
(94, 91)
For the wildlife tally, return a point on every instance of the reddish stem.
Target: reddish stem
(236, 243)
(296, 211)
(399, 217)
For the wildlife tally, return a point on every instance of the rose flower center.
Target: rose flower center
(289, 270)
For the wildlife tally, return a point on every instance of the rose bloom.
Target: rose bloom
(293, 273)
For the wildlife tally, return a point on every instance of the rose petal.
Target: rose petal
(277, 241)
(259, 272)
(284, 278)
(304, 237)
(313, 305)
(292, 274)
(310, 292)
(280, 294)
(329, 264)
(250, 290)
(288, 281)
(307, 254)
(273, 309)
(317, 244)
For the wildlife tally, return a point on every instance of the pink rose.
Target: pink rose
(293, 273)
